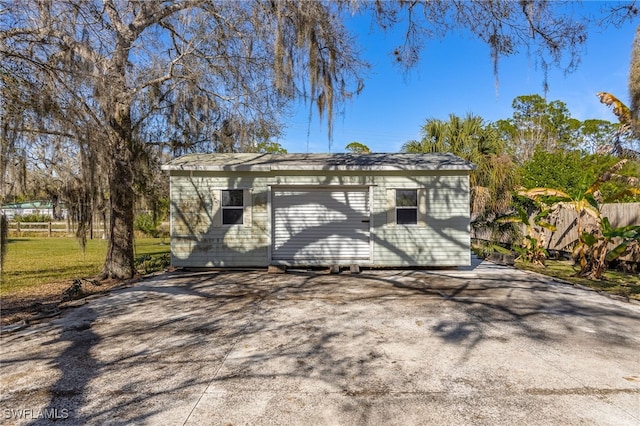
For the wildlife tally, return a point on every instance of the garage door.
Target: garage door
(323, 225)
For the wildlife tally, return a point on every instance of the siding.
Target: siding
(442, 239)
(197, 242)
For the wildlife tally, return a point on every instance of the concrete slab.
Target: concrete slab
(486, 344)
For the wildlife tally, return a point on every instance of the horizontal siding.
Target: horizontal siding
(442, 240)
(212, 253)
(196, 242)
(424, 247)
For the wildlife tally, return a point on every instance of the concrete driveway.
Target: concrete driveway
(485, 345)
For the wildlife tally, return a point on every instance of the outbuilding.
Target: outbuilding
(256, 210)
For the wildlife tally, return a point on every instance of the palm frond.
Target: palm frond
(544, 192)
(619, 109)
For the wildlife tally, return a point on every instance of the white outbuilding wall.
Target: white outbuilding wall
(233, 210)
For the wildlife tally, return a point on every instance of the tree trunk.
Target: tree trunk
(596, 265)
(634, 78)
(119, 263)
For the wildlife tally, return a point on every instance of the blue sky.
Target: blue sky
(455, 75)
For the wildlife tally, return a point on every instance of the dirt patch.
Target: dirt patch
(46, 300)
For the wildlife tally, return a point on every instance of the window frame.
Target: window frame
(240, 207)
(414, 208)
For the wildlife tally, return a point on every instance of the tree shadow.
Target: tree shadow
(153, 349)
(77, 367)
(197, 242)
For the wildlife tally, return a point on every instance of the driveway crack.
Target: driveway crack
(224, 360)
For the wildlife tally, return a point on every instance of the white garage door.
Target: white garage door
(321, 225)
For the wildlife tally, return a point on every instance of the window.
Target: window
(232, 207)
(406, 206)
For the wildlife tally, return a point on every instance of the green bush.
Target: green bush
(34, 217)
(148, 263)
(144, 223)
(484, 249)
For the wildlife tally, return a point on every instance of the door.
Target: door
(321, 225)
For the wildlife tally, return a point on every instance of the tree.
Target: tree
(629, 126)
(12, 147)
(204, 75)
(357, 148)
(3, 242)
(268, 147)
(532, 247)
(600, 254)
(538, 125)
(629, 117)
(574, 171)
(584, 204)
(551, 32)
(589, 249)
(596, 136)
(634, 77)
(183, 71)
(470, 138)
(564, 170)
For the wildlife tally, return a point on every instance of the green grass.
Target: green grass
(33, 261)
(36, 261)
(613, 282)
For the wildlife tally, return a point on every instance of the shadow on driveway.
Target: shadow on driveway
(483, 346)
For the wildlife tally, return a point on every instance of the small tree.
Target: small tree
(538, 125)
(357, 148)
(474, 140)
(532, 248)
(590, 247)
(600, 255)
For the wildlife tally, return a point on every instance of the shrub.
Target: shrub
(147, 263)
(33, 217)
(144, 223)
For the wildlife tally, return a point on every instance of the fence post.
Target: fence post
(17, 226)
(49, 229)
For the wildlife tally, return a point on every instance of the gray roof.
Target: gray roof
(294, 162)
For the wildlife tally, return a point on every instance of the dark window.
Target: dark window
(406, 206)
(232, 207)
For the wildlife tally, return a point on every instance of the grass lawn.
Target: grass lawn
(613, 282)
(37, 270)
(36, 261)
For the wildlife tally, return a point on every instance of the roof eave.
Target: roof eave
(310, 168)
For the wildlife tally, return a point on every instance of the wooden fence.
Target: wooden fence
(566, 222)
(50, 228)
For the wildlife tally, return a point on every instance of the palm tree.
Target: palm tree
(583, 203)
(532, 248)
(470, 138)
(629, 123)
